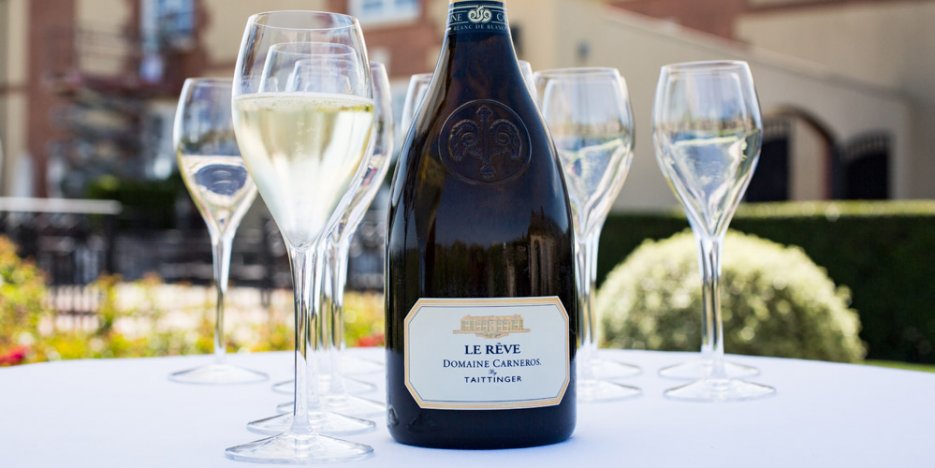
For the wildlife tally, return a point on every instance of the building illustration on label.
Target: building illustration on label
(480, 15)
(491, 326)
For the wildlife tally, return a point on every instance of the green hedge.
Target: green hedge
(883, 251)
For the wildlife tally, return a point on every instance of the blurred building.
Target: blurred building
(87, 87)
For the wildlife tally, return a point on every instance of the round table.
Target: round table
(125, 413)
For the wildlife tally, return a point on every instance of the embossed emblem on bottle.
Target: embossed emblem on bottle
(485, 141)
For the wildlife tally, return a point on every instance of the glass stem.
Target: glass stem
(593, 240)
(585, 321)
(339, 251)
(325, 292)
(221, 256)
(712, 328)
(337, 248)
(306, 277)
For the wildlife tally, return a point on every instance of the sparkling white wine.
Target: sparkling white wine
(480, 297)
(709, 172)
(303, 150)
(220, 186)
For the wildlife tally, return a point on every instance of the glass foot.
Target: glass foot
(351, 386)
(347, 405)
(700, 368)
(713, 390)
(603, 368)
(217, 374)
(299, 449)
(595, 391)
(357, 366)
(322, 422)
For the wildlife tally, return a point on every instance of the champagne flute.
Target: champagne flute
(418, 86)
(377, 169)
(303, 145)
(708, 131)
(216, 178)
(589, 116)
(526, 69)
(317, 68)
(339, 242)
(305, 70)
(339, 237)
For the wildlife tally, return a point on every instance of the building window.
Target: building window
(167, 24)
(375, 12)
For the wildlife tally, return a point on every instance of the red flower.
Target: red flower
(14, 356)
(377, 339)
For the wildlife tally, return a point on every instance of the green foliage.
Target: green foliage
(775, 301)
(902, 365)
(149, 204)
(883, 251)
(153, 335)
(363, 319)
(105, 340)
(31, 332)
(22, 292)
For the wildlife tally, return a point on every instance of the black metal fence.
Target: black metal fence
(77, 241)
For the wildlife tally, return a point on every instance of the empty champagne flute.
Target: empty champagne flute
(304, 138)
(216, 177)
(339, 242)
(589, 116)
(418, 86)
(377, 169)
(708, 131)
(529, 76)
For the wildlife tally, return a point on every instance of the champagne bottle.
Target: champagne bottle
(480, 295)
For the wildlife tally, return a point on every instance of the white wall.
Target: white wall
(100, 56)
(226, 20)
(640, 46)
(809, 175)
(887, 43)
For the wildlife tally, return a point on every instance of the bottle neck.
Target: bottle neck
(477, 17)
(478, 38)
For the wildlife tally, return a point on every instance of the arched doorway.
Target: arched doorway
(771, 179)
(797, 160)
(866, 161)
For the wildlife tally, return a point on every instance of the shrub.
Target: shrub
(882, 250)
(132, 321)
(363, 319)
(22, 292)
(775, 301)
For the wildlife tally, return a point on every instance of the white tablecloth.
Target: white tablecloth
(125, 413)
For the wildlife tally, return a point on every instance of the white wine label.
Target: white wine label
(477, 15)
(485, 354)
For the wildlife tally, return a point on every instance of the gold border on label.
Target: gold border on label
(482, 302)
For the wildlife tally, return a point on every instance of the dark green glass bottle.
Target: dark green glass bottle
(480, 289)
